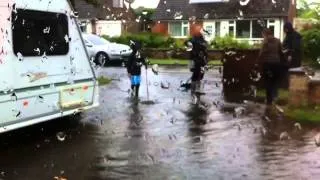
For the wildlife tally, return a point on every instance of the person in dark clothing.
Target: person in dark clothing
(134, 64)
(270, 60)
(292, 46)
(198, 61)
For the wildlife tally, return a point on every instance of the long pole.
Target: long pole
(147, 84)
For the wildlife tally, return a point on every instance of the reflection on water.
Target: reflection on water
(172, 139)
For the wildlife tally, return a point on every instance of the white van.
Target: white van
(45, 71)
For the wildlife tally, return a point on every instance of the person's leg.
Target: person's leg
(137, 81)
(137, 90)
(268, 83)
(277, 79)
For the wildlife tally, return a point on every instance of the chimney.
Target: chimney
(292, 10)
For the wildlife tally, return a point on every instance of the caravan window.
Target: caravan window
(36, 33)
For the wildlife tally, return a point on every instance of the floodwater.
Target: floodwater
(172, 139)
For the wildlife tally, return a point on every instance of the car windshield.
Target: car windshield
(96, 40)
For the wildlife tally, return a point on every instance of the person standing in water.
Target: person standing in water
(199, 61)
(270, 60)
(134, 64)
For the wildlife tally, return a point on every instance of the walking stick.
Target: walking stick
(147, 84)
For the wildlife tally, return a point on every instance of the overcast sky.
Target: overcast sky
(154, 3)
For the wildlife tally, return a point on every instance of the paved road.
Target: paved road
(172, 139)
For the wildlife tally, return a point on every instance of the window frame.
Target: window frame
(271, 22)
(183, 24)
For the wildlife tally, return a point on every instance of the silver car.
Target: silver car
(103, 51)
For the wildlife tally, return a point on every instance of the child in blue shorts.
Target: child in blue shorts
(135, 62)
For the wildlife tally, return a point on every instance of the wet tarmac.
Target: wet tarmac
(170, 139)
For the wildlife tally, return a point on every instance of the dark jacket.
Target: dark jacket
(135, 62)
(199, 53)
(271, 51)
(293, 44)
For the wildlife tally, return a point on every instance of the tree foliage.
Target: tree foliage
(308, 10)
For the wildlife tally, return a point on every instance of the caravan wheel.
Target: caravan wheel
(101, 59)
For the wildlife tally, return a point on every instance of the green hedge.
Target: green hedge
(149, 40)
(311, 43)
(228, 42)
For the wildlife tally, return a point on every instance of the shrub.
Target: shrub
(148, 40)
(311, 45)
(228, 42)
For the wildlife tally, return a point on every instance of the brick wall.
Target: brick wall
(303, 90)
(161, 27)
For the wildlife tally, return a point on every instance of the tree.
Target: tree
(145, 17)
(308, 10)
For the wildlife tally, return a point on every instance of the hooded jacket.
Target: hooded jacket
(135, 62)
(293, 44)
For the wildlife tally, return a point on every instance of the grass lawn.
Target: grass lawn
(303, 114)
(282, 98)
(180, 62)
(103, 80)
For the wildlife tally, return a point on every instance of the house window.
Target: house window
(257, 28)
(209, 28)
(272, 25)
(232, 28)
(179, 29)
(218, 26)
(243, 29)
(36, 33)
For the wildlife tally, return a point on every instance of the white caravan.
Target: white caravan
(45, 71)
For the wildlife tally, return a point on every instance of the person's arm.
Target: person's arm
(262, 52)
(296, 43)
(129, 64)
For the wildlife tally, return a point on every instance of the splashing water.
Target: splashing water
(61, 136)
(318, 60)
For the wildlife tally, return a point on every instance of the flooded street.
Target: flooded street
(171, 139)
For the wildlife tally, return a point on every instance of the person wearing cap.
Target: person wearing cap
(270, 60)
(134, 64)
(292, 46)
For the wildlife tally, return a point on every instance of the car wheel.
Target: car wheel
(101, 59)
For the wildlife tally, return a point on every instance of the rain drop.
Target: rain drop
(20, 57)
(46, 30)
(178, 15)
(244, 2)
(61, 136)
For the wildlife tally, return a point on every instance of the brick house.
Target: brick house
(242, 19)
(108, 17)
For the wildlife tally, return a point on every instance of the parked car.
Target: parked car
(103, 51)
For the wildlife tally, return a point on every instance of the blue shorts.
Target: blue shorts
(135, 80)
